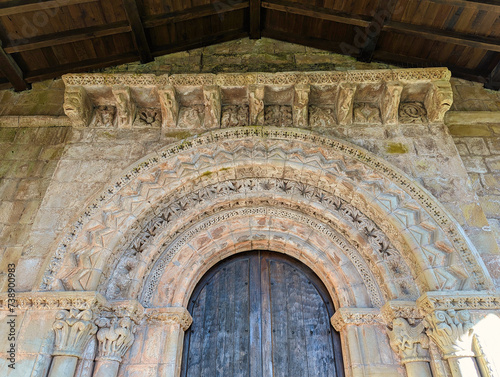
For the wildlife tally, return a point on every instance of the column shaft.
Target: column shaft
(418, 369)
(63, 366)
(463, 367)
(106, 368)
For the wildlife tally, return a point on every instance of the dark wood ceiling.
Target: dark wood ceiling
(43, 39)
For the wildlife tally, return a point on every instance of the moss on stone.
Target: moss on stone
(396, 148)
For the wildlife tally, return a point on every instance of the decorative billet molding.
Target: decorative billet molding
(55, 300)
(459, 300)
(356, 317)
(171, 315)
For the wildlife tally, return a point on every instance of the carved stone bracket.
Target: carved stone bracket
(256, 104)
(73, 329)
(438, 100)
(390, 102)
(169, 106)
(172, 315)
(126, 108)
(355, 316)
(410, 342)
(301, 105)
(345, 103)
(77, 106)
(212, 100)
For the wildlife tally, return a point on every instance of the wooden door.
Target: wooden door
(261, 314)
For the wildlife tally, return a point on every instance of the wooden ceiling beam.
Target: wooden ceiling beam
(139, 36)
(493, 80)
(69, 36)
(316, 12)
(370, 35)
(11, 7)
(446, 36)
(80, 66)
(217, 8)
(487, 5)
(11, 70)
(255, 28)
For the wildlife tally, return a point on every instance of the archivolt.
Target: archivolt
(400, 207)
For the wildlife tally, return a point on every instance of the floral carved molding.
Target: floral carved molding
(208, 101)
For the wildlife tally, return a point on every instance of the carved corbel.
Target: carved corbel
(256, 104)
(174, 315)
(390, 102)
(169, 106)
(301, 105)
(77, 106)
(345, 103)
(126, 108)
(438, 100)
(212, 100)
(74, 329)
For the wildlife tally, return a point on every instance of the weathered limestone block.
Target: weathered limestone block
(77, 106)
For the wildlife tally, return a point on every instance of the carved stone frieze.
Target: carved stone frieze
(400, 309)
(452, 330)
(366, 113)
(412, 112)
(73, 329)
(77, 106)
(470, 300)
(320, 117)
(278, 116)
(355, 316)
(234, 116)
(410, 342)
(172, 315)
(148, 118)
(191, 117)
(104, 117)
(115, 336)
(54, 300)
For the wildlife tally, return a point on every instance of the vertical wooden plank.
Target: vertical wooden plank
(267, 341)
(138, 34)
(241, 363)
(209, 351)
(192, 351)
(255, 27)
(255, 320)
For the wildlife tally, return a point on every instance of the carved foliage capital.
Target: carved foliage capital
(452, 331)
(410, 342)
(74, 329)
(115, 336)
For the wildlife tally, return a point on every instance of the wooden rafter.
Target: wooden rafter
(493, 80)
(11, 70)
(140, 41)
(382, 15)
(11, 7)
(487, 5)
(218, 8)
(255, 28)
(69, 36)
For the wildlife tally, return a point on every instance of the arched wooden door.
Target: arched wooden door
(261, 314)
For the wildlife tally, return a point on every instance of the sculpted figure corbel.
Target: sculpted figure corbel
(169, 106)
(390, 102)
(452, 331)
(256, 105)
(126, 108)
(115, 336)
(411, 343)
(345, 103)
(212, 99)
(73, 330)
(301, 105)
(438, 100)
(77, 106)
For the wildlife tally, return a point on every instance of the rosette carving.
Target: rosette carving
(410, 342)
(74, 329)
(452, 331)
(115, 337)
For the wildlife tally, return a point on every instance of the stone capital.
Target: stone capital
(74, 329)
(410, 342)
(356, 317)
(400, 309)
(452, 331)
(115, 336)
(172, 315)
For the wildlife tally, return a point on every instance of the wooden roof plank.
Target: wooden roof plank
(255, 27)
(70, 36)
(447, 36)
(140, 41)
(316, 12)
(22, 6)
(12, 71)
(493, 80)
(193, 13)
(489, 5)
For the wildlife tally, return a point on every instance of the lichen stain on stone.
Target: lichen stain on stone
(396, 148)
(178, 134)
